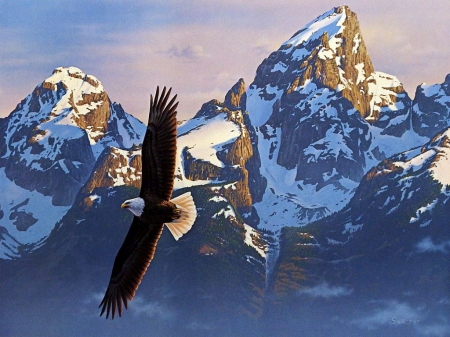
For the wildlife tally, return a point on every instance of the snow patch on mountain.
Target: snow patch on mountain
(225, 212)
(28, 219)
(329, 22)
(441, 167)
(198, 131)
(383, 98)
(427, 209)
(259, 104)
(203, 137)
(250, 235)
(388, 145)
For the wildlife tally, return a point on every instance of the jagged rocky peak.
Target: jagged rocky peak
(431, 108)
(318, 108)
(337, 55)
(236, 97)
(49, 145)
(71, 97)
(329, 52)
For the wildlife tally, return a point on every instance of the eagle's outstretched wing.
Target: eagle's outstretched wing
(160, 146)
(130, 265)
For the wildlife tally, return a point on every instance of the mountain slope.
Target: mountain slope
(216, 147)
(379, 263)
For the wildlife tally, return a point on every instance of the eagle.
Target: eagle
(153, 208)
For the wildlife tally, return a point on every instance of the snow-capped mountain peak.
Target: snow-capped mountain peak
(71, 103)
(48, 147)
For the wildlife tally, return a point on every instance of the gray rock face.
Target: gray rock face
(44, 159)
(431, 108)
(308, 146)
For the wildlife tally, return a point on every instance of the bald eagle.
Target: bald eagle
(153, 208)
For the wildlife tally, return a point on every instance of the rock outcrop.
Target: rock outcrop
(431, 108)
(228, 157)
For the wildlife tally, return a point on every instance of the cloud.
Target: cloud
(139, 307)
(390, 313)
(324, 290)
(437, 329)
(428, 246)
(131, 46)
(193, 52)
(401, 314)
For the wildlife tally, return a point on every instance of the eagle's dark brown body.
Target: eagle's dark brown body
(157, 210)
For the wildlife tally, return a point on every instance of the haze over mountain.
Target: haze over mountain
(322, 194)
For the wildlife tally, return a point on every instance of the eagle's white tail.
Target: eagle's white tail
(188, 214)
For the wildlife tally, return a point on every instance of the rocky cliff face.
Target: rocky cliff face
(215, 147)
(411, 186)
(431, 108)
(114, 167)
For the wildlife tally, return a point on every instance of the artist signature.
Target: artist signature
(403, 321)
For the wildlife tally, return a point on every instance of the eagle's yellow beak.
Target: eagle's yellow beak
(124, 205)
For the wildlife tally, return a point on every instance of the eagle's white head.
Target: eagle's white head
(135, 206)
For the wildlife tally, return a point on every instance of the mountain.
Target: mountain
(221, 265)
(50, 143)
(323, 117)
(403, 197)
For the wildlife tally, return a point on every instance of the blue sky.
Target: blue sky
(200, 48)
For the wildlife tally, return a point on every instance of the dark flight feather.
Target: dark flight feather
(130, 265)
(160, 147)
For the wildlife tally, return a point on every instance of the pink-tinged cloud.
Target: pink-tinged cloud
(201, 48)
